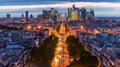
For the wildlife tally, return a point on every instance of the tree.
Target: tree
(75, 63)
(74, 47)
(81, 58)
(43, 55)
(87, 60)
(71, 39)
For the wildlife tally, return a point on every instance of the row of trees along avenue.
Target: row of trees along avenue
(78, 56)
(42, 56)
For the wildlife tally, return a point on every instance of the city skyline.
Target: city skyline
(16, 8)
(59, 33)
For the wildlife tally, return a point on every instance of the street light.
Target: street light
(39, 26)
(81, 27)
(29, 27)
(56, 60)
(59, 48)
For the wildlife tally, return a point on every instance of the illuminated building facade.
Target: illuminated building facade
(74, 15)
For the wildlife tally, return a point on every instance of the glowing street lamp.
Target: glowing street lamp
(29, 27)
(34, 28)
(56, 60)
(81, 27)
(39, 27)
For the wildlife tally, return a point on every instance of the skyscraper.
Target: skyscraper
(74, 8)
(53, 11)
(8, 16)
(26, 16)
(31, 16)
(22, 16)
(83, 13)
(69, 13)
(53, 14)
(92, 13)
(74, 15)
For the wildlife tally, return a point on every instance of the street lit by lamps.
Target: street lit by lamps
(59, 48)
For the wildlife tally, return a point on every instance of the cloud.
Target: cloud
(100, 8)
(65, 5)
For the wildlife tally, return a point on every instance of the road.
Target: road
(61, 58)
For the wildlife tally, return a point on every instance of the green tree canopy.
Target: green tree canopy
(44, 54)
(81, 58)
(74, 47)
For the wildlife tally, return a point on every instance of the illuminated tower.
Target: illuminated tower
(75, 15)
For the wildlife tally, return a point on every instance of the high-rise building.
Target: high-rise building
(22, 16)
(53, 15)
(31, 16)
(53, 11)
(69, 13)
(83, 13)
(8, 16)
(45, 14)
(75, 15)
(26, 16)
(88, 15)
(74, 8)
(92, 13)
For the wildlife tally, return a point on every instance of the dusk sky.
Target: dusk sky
(102, 8)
